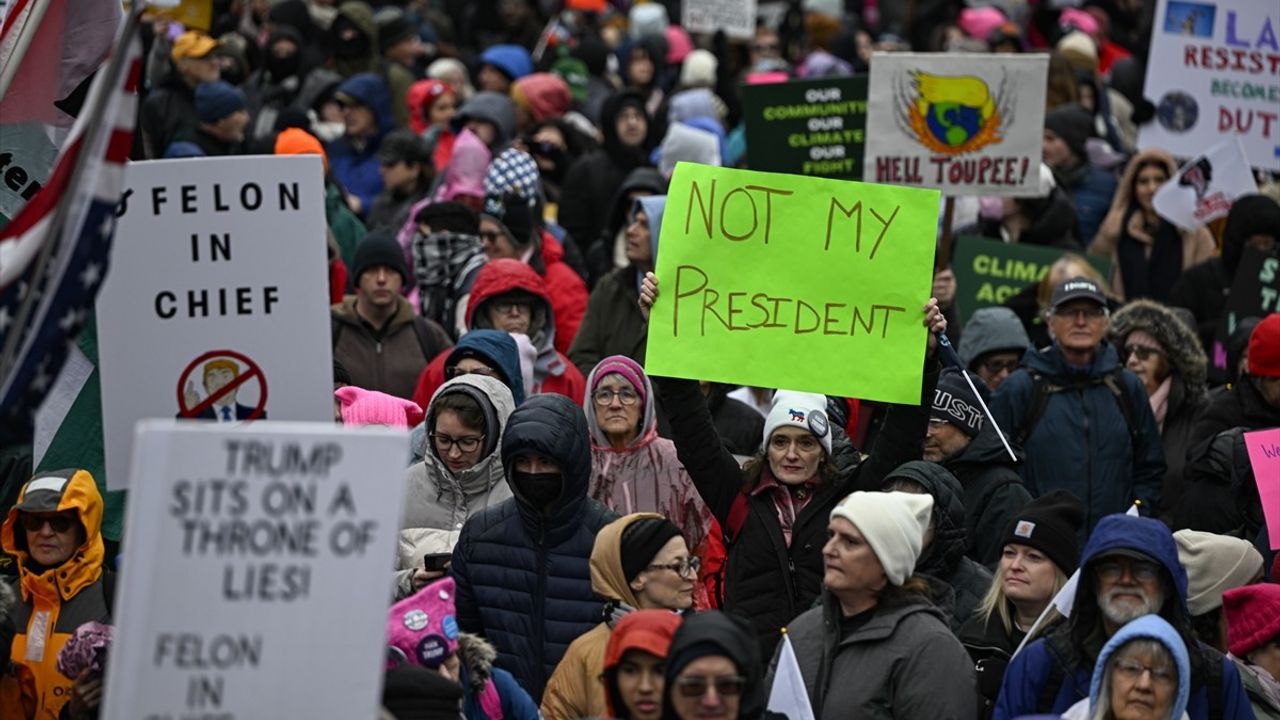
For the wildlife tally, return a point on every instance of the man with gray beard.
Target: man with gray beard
(1129, 568)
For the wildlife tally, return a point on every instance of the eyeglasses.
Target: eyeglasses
(696, 686)
(1142, 571)
(996, 366)
(1092, 312)
(625, 396)
(1132, 670)
(471, 443)
(36, 523)
(508, 306)
(686, 567)
(1144, 352)
(454, 371)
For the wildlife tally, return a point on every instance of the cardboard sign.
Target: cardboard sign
(965, 124)
(807, 127)
(217, 304)
(1264, 456)
(793, 282)
(1255, 292)
(989, 272)
(1213, 74)
(736, 17)
(258, 573)
(1205, 187)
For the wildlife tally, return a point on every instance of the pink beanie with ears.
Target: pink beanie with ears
(368, 407)
(423, 627)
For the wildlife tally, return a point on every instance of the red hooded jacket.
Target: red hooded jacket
(553, 373)
(567, 292)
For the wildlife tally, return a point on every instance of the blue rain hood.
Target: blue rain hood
(1145, 535)
(653, 207)
(497, 349)
(1151, 627)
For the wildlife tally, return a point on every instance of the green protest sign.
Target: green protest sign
(807, 127)
(795, 282)
(989, 272)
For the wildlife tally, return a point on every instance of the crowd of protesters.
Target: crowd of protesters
(1065, 526)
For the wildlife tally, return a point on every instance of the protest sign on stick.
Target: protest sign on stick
(807, 127)
(1214, 74)
(258, 577)
(217, 303)
(964, 124)
(1206, 186)
(1264, 456)
(1255, 292)
(788, 281)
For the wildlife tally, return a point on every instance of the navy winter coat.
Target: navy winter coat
(523, 576)
(1081, 442)
(1030, 670)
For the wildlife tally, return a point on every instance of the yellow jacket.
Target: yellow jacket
(53, 602)
(575, 690)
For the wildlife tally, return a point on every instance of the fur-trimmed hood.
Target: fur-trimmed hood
(1180, 343)
(477, 656)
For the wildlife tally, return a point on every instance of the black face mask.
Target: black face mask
(349, 45)
(539, 489)
(280, 68)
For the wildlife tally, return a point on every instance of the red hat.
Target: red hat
(1264, 348)
(1253, 617)
(648, 631)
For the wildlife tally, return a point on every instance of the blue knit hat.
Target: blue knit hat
(1152, 627)
(218, 99)
(511, 60)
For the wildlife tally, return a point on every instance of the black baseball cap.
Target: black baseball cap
(1077, 288)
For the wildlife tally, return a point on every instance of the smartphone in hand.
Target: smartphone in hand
(435, 562)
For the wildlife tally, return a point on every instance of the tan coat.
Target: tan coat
(575, 689)
(1197, 245)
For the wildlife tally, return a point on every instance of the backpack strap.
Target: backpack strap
(1213, 685)
(1041, 390)
(737, 518)
(1114, 384)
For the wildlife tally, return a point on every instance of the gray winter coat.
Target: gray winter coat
(437, 500)
(903, 664)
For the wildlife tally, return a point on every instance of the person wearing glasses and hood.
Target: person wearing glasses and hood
(1144, 671)
(460, 474)
(639, 562)
(875, 647)
(713, 671)
(54, 532)
(634, 470)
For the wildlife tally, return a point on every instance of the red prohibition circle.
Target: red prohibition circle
(252, 372)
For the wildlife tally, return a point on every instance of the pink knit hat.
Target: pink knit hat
(629, 369)
(424, 626)
(1253, 617)
(978, 23)
(368, 407)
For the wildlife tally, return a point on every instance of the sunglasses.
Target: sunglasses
(696, 686)
(1144, 352)
(36, 523)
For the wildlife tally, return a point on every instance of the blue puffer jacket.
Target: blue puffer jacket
(1091, 195)
(355, 164)
(1081, 442)
(1029, 673)
(523, 577)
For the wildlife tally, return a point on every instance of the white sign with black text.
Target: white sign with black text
(257, 573)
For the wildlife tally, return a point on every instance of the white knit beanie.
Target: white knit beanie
(807, 411)
(893, 523)
(699, 69)
(1215, 564)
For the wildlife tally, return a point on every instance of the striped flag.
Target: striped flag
(53, 254)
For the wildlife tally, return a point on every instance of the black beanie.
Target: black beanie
(1051, 524)
(393, 31)
(379, 247)
(1073, 124)
(450, 217)
(643, 539)
(955, 403)
(517, 220)
(412, 692)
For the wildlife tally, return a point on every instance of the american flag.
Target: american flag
(54, 253)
